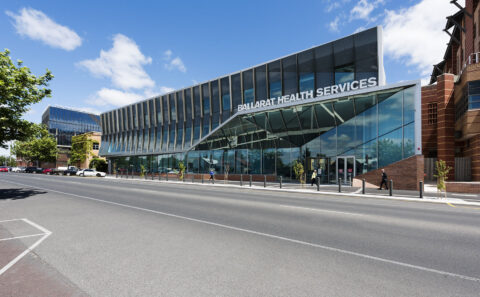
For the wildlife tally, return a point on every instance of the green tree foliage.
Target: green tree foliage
(99, 164)
(143, 170)
(442, 172)
(299, 171)
(82, 147)
(181, 169)
(19, 89)
(8, 161)
(39, 146)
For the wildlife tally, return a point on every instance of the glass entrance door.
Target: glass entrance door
(345, 168)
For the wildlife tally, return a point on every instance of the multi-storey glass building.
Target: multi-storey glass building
(327, 107)
(63, 123)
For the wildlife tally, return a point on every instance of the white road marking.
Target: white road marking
(328, 248)
(464, 195)
(24, 236)
(357, 191)
(19, 257)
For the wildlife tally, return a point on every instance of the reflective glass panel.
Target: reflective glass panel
(275, 79)
(290, 82)
(408, 140)
(261, 83)
(248, 92)
(236, 91)
(389, 117)
(390, 148)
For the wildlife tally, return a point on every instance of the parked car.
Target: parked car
(72, 170)
(3, 169)
(48, 171)
(91, 172)
(33, 169)
(16, 169)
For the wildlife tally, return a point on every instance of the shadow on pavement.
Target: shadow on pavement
(18, 193)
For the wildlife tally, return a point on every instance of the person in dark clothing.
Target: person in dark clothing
(211, 174)
(384, 180)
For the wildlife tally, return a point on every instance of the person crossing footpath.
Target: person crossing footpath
(314, 177)
(211, 174)
(384, 180)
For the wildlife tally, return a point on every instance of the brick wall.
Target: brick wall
(429, 131)
(463, 187)
(446, 121)
(473, 151)
(405, 174)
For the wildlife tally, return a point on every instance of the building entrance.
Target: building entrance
(345, 168)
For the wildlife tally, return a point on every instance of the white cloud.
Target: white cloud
(38, 26)
(175, 63)
(89, 110)
(363, 8)
(331, 5)
(165, 90)
(333, 25)
(167, 55)
(414, 35)
(114, 97)
(123, 64)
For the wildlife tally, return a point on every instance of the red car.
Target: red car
(3, 169)
(47, 171)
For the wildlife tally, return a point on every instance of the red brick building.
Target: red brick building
(451, 103)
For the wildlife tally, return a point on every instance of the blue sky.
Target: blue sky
(105, 54)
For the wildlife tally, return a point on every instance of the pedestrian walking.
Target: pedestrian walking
(211, 174)
(384, 180)
(314, 177)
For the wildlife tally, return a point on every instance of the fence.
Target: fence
(463, 169)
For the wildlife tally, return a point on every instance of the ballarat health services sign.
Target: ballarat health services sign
(325, 91)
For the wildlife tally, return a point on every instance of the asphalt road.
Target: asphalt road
(134, 238)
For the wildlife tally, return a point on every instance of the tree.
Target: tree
(40, 146)
(299, 171)
(99, 164)
(181, 169)
(442, 172)
(19, 89)
(82, 147)
(8, 161)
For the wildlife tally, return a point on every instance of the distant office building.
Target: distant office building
(327, 107)
(63, 123)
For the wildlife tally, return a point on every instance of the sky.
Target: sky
(106, 54)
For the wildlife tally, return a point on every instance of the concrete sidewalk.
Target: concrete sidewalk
(429, 194)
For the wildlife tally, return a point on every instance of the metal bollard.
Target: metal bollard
(250, 180)
(281, 181)
(363, 186)
(184, 176)
(132, 173)
(390, 188)
(159, 176)
(152, 175)
(241, 180)
(421, 189)
(116, 174)
(213, 179)
(264, 181)
(202, 178)
(126, 175)
(339, 185)
(193, 178)
(166, 176)
(317, 181)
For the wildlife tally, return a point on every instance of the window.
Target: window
(95, 146)
(236, 91)
(260, 83)
(345, 73)
(290, 83)
(432, 113)
(306, 71)
(248, 92)
(274, 79)
(206, 100)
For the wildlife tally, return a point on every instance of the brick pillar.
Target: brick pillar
(446, 122)
(475, 155)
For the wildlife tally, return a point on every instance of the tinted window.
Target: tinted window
(260, 83)
(248, 92)
(236, 92)
(290, 75)
(306, 71)
(274, 79)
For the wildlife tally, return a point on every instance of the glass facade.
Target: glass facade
(63, 123)
(343, 135)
